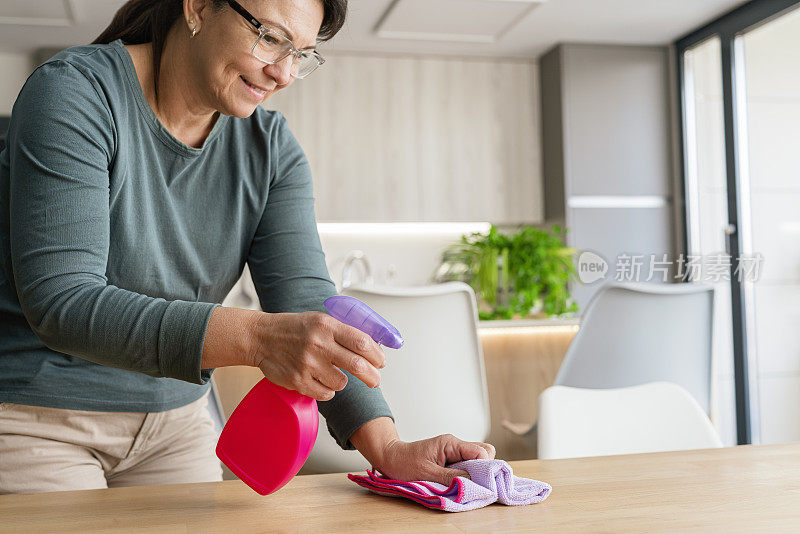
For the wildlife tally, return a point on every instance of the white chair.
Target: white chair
(659, 416)
(637, 333)
(435, 384)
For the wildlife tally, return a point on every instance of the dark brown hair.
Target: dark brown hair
(149, 21)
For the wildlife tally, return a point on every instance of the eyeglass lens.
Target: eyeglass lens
(271, 48)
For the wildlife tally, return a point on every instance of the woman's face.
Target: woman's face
(222, 50)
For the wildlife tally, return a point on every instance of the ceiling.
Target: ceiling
(412, 26)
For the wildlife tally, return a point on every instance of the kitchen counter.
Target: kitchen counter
(521, 358)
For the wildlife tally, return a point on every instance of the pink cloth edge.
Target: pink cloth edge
(400, 492)
(455, 482)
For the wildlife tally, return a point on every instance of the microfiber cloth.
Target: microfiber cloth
(490, 481)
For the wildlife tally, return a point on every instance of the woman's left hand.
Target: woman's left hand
(425, 459)
(377, 440)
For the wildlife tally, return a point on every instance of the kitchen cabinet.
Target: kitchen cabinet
(419, 138)
(607, 153)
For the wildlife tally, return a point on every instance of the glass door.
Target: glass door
(706, 201)
(739, 87)
(770, 195)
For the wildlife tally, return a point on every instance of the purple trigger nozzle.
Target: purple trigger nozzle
(355, 313)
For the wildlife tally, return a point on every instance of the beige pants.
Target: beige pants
(53, 449)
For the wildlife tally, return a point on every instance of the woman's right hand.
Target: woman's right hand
(305, 352)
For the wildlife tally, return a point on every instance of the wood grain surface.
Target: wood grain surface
(738, 489)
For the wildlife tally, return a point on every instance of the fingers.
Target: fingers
(360, 343)
(330, 377)
(356, 365)
(471, 451)
(316, 390)
(445, 476)
(489, 448)
(456, 450)
(305, 352)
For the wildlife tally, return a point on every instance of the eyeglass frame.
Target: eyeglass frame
(263, 30)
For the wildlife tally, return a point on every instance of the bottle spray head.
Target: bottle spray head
(355, 313)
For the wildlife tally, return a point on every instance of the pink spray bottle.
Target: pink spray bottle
(270, 434)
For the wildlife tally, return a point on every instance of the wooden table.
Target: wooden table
(740, 489)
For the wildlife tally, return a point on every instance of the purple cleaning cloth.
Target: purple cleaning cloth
(491, 481)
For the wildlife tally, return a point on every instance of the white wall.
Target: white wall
(15, 69)
(398, 253)
(414, 138)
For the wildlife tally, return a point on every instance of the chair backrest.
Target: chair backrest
(659, 416)
(636, 333)
(434, 384)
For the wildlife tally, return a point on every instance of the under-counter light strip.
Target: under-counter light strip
(617, 202)
(519, 330)
(400, 228)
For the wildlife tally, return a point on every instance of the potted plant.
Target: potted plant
(517, 275)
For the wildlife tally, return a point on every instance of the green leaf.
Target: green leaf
(528, 266)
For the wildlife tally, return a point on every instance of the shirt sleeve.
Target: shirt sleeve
(289, 273)
(61, 145)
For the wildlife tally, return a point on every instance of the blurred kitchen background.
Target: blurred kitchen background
(643, 128)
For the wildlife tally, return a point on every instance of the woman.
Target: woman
(140, 176)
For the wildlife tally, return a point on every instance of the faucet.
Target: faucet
(352, 257)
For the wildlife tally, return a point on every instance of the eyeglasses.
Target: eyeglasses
(272, 47)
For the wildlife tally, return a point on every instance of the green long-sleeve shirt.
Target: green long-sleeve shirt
(118, 241)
